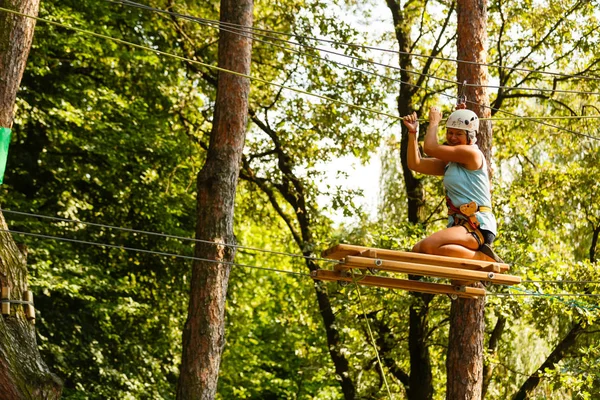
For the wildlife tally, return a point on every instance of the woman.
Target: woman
(471, 223)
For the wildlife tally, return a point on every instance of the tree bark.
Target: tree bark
(203, 336)
(420, 378)
(464, 361)
(472, 43)
(16, 35)
(415, 193)
(23, 373)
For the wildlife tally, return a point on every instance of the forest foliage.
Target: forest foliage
(114, 136)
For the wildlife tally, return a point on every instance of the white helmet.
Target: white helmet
(463, 119)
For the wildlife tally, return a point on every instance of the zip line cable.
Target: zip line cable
(560, 297)
(525, 292)
(377, 112)
(253, 36)
(187, 239)
(183, 238)
(371, 336)
(163, 53)
(271, 83)
(159, 253)
(247, 28)
(535, 119)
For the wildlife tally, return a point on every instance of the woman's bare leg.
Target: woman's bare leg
(451, 242)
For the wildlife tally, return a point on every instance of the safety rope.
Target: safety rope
(355, 281)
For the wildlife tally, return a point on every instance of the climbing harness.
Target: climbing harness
(465, 215)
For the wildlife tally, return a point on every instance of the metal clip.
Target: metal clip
(462, 97)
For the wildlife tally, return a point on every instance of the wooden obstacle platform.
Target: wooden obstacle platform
(360, 264)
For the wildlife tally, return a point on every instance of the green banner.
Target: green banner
(4, 142)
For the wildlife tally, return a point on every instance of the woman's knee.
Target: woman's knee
(427, 247)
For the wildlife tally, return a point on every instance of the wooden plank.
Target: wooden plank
(392, 283)
(427, 270)
(341, 251)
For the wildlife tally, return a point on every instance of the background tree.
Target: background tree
(204, 336)
(23, 373)
(464, 360)
(116, 136)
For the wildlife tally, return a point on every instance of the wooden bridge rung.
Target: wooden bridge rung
(392, 283)
(341, 251)
(427, 270)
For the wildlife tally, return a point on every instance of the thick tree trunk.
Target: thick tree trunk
(472, 43)
(16, 35)
(464, 362)
(203, 336)
(23, 374)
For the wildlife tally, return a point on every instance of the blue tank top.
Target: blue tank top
(463, 186)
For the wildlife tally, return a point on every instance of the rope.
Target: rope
(167, 236)
(555, 296)
(220, 24)
(159, 253)
(165, 254)
(354, 106)
(371, 334)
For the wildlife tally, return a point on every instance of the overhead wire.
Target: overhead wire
(337, 43)
(163, 53)
(534, 119)
(524, 292)
(242, 30)
(560, 297)
(517, 117)
(236, 246)
(165, 235)
(153, 252)
(354, 106)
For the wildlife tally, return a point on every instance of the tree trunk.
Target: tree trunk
(464, 361)
(16, 35)
(293, 192)
(23, 374)
(472, 43)
(203, 336)
(420, 385)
